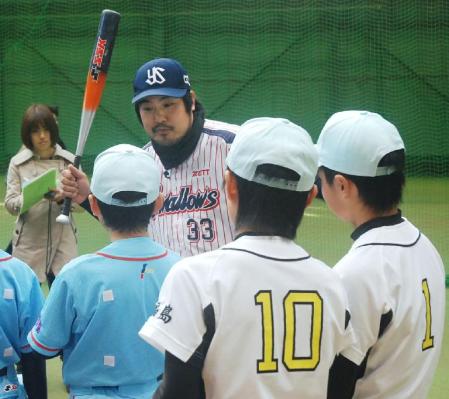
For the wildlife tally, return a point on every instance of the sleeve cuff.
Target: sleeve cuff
(163, 342)
(39, 347)
(354, 355)
(26, 348)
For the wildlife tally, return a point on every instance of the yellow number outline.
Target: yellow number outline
(427, 342)
(268, 363)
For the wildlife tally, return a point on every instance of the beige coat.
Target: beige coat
(38, 239)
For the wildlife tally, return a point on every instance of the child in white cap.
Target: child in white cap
(393, 274)
(258, 318)
(99, 301)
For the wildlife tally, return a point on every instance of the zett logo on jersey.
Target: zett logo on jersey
(188, 201)
(201, 172)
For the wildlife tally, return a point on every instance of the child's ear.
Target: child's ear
(312, 194)
(343, 185)
(231, 186)
(158, 203)
(94, 206)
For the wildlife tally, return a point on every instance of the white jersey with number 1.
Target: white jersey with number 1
(194, 217)
(394, 278)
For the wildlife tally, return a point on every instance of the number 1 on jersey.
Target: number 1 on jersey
(267, 364)
(428, 339)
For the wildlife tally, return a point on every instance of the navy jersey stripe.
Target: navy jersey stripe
(391, 244)
(267, 257)
(226, 135)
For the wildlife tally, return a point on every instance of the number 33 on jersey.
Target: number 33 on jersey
(194, 217)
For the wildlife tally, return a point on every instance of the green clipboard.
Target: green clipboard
(35, 189)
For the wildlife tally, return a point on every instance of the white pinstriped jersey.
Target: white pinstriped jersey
(394, 278)
(259, 316)
(194, 218)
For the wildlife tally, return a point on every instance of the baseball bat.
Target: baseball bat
(96, 79)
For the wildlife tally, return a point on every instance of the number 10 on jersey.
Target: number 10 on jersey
(268, 363)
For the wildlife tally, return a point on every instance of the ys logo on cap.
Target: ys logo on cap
(155, 76)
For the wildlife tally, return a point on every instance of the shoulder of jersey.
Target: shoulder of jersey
(18, 267)
(200, 262)
(222, 129)
(402, 234)
(148, 146)
(74, 264)
(219, 125)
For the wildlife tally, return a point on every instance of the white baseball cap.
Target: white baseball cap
(274, 141)
(353, 142)
(125, 167)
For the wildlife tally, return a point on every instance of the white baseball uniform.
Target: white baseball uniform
(260, 316)
(395, 281)
(194, 218)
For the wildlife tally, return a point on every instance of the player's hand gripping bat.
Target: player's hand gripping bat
(96, 79)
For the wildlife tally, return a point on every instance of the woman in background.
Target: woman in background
(38, 239)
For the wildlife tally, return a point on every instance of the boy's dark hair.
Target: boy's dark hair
(126, 219)
(269, 210)
(380, 193)
(187, 100)
(38, 116)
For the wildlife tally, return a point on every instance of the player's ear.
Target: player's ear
(343, 186)
(231, 187)
(232, 194)
(312, 194)
(94, 207)
(193, 96)
(158, 203)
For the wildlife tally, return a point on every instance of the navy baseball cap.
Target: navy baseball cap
(160, 77)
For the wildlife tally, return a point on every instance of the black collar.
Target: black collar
(377, 222)
(174, 155)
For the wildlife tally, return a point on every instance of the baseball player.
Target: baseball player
(258, 318)
(393, 274)
(190, 151)
(21, 300)
(99, 301)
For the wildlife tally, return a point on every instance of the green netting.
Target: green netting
(302, 60)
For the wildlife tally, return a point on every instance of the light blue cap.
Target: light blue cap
(274, 141)
(353, 142)
(125, 167)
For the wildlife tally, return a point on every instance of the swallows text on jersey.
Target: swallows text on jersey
(188, 201)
